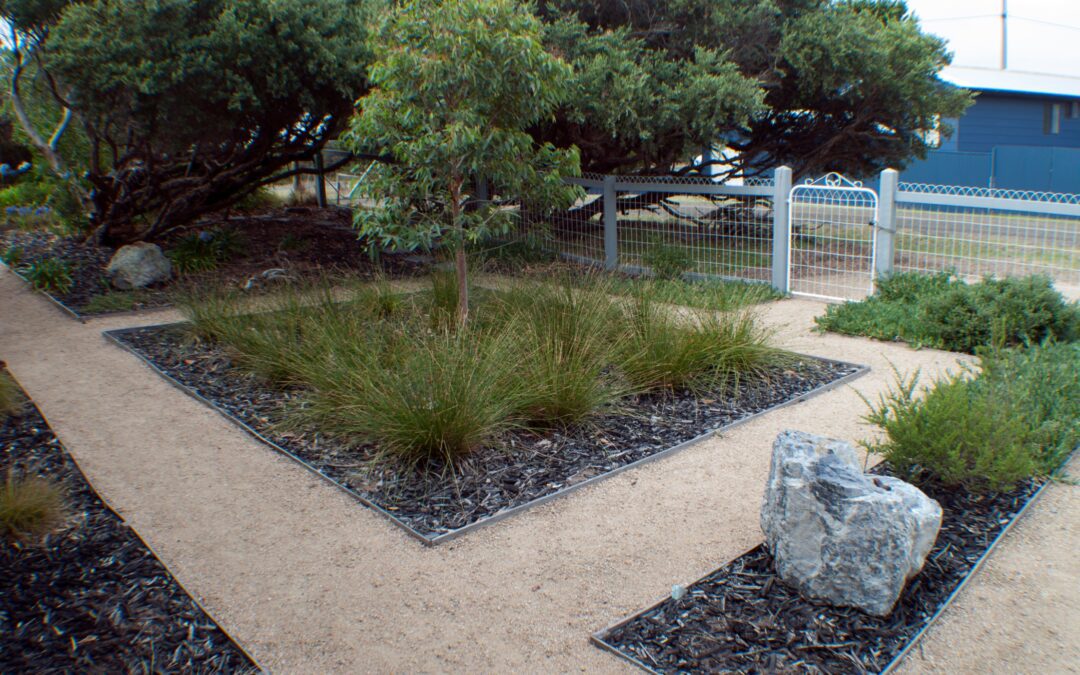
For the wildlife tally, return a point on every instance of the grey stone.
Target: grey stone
(840, 535)
(137, 266)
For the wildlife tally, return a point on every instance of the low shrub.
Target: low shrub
(30, 507)
(51, 275)
(1015, 417)
(398, 372)
(203, 251)
(667, 261)
(429, 403)
(39, 200)
(12, 256)
(944, 312)
(11, 397)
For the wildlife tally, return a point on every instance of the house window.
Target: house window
(1052, 118)
(1074, 110)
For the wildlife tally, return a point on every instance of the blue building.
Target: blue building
(1022, 133)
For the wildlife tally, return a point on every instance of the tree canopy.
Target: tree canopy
(820, 85)
(191, 105)
(457, 82)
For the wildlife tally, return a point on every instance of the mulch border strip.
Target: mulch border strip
(116, 335)
(109, 507)
(64, 308)
(599, 638)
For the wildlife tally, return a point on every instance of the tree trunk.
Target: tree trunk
(459, 257)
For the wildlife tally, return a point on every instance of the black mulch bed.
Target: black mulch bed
(304, 241)
(743, 618)
(493, 480)
(92, 597)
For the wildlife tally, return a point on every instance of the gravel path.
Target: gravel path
(308, 581)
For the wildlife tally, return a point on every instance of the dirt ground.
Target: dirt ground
(309, 581)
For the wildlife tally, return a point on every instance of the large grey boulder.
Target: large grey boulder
(137, 266)
(838, 534)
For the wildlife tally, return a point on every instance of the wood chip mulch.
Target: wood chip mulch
(743, 618)
(92, 598)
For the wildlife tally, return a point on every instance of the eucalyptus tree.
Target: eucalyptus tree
(456, 85)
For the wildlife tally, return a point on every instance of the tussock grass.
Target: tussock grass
(396, 371)
(30, 507)
(696, 351)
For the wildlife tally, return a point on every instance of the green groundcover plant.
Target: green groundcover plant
(400, 373)
(942, 311)
(1015, 416)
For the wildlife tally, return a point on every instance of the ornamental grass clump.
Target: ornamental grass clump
(1016, 416)
(429, 400)
(696, 351)
(30, 507)
(567, 341)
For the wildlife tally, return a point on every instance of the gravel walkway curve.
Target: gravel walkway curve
(309, 581)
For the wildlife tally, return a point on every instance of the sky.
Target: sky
(1043, 35)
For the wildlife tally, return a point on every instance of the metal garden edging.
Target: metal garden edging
(109, 507)
(116, 335)
(599, 637)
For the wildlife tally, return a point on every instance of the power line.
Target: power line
(1044, 22)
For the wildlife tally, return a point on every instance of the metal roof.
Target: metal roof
(995, 79)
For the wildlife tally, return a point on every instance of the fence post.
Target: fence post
(885, 241)
(781, 228)
(611, 224)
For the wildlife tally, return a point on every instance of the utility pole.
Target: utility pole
(1004, 34)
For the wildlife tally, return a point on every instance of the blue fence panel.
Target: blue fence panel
(951, 168)
(1066, 176)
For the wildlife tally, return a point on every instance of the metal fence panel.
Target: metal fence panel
(831, 254)
(980, 232)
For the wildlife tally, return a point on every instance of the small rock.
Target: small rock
(137, 266)
(839, 535)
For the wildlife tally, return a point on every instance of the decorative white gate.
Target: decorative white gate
(833, 226)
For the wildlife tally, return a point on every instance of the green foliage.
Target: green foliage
(39, 200)
(391, 370)
(235, 92)
(942, 311)
(12, 256)
(444, 395)
(717, 295)
(1019, 417)
(11, 397)
(567, 346)
(30, 507)
(114, 301)
(667, 261)
(203, 251)
(696, 351)
(815, 84)
(458, 83)
(51, 275)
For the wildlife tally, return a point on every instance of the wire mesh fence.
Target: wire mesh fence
(832, 239)
(668, 226)
(982, 231)
(669, 234)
